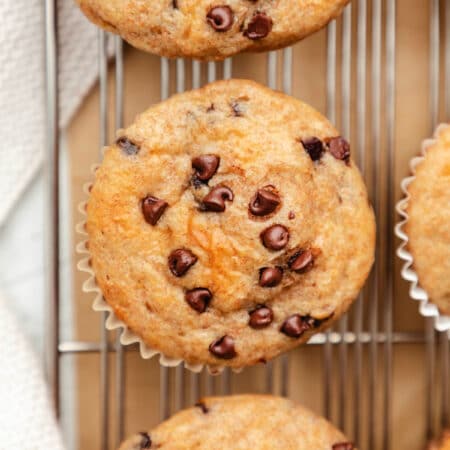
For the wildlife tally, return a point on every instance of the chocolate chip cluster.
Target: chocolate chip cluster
(337, 146)
(264, 204)
(221, 18)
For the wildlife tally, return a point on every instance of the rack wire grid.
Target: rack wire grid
(357, 354)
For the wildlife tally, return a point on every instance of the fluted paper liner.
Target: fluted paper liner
(426, 307)
(127, 337)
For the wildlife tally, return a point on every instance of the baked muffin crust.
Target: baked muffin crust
(261, 422)
(206, 29)
(428, 226)
(282, 252)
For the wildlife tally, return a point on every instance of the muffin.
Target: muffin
(242, 422)
(206, 29)
(228, 225)
(428, 224)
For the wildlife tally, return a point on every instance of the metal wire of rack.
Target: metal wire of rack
(361, 100)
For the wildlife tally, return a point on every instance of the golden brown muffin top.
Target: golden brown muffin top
(242, 422)
(428, 226)
(208, 29)
(229, 224)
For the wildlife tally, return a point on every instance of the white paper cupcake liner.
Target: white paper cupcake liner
(127, 337)
(426, 308)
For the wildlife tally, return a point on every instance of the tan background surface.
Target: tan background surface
(142, 88)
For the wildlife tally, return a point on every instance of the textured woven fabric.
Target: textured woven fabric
(22, 86)
(26, 417)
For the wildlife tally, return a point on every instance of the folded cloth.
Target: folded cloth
(22, 85)
(26, 416)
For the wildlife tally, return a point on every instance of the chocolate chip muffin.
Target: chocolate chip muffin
(428, 227)
(206, 29)
(229, 224)
(261, 422)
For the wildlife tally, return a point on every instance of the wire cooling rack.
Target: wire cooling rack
(357, 366)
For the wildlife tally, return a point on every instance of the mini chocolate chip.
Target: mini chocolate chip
(223, 347)
(295, 325)
(261, 317)
(291, 215)
(198, 299)
(339, 148)
(220, 18)
(127, 146)
(313, 146)
(215, 200)
(270, 276)
(146, 441)
(259, 26)
(203, 407)
(153, 208)
(180, 261)
(301, 261)
(264, 202)
(276, 237)
(211, 107)
(175, 4)
(343, 446)
(237, 109)
(205, 166)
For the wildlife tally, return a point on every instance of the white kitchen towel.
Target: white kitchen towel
(26, 417)
(22, 85)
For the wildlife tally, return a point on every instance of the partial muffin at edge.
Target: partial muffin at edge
(441, 444)
(428, 225)
(211, 30)
(261, 422)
